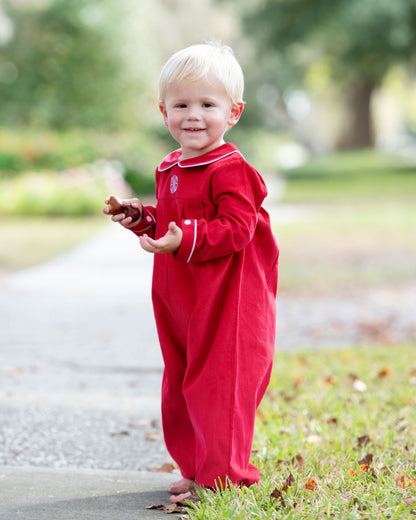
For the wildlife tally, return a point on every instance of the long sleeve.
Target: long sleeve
(238, 192)
(147, 224)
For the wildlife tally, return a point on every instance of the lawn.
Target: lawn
(339, 247)
(335, 438)
(27, 241)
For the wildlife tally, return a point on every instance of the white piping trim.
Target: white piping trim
(194, 243)
(208, 162)
(178, 163)
(143, 230)
(167, 167)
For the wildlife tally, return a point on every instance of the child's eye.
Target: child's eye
(207, 105)
(180, 105)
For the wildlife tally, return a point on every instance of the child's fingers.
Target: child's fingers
(146, 244)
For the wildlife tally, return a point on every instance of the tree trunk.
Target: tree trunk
(358, 129)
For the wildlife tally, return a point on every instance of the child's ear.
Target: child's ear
(162, 108)
(236, 111)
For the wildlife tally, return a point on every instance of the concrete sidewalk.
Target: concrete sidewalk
(80, 374)
(43, 494)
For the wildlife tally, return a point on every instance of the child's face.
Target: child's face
(198, 113)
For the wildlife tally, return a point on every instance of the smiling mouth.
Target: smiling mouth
(194, 129)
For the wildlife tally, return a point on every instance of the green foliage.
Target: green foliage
(361, 39)
(73, 193)
(65, 70)
(34, 149)
(70, 173)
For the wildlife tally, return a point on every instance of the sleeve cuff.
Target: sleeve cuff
(186, 249)
(147, 222)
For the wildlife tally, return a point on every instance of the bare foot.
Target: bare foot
(180, 486)
(180, 498)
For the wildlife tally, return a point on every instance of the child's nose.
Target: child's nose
(193, 113)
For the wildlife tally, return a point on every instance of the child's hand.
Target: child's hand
(126, 212)
(169, 243)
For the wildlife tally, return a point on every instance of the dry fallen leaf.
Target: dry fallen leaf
(329, 380)
(368, 459)
(288, 482)
(166, 467)
(276, 493)
(363, 440)
(297, 381)
(404, 482)
(260, 415)
(297, 460)
(384, 372)
(169, 510)
(365, 468)
(311, 484)
(153, 435)
(121, 433)
(409, 501)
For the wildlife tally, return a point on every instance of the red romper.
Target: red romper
(214, 305)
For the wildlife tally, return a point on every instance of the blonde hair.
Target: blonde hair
(196, 61)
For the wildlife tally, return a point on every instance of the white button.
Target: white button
(149, 219)
(187, 222)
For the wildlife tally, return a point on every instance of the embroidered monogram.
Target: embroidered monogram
(174, 183)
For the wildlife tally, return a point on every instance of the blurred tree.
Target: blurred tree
(61, 68)
(95, 63)
(359, 40)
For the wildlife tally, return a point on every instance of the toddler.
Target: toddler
(215, 274)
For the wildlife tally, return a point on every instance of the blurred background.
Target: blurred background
(330, 121)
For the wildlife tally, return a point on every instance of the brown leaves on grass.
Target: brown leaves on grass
(367, 460)
(363, 440)
(278, 493)
(403, 482)
(311, 483)
(365, 467)
(384, 372)
(288, 482)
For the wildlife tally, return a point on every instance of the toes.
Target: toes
(180, 486)
(180, 498)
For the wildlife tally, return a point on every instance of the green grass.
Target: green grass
(345, 246)
(316, 422)
(29, 241)
(351, 176)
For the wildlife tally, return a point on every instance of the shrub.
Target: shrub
(74, 192)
